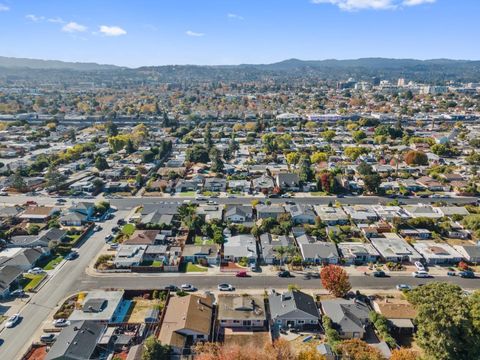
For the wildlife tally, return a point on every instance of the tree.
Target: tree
(359, 135)
(54, 178)
(404, 354)
(208, 138)
(353, 152)
(328, 135)
(293, 157)
(154, 350)
(445, 328)
(101, 163)
(111, 128)
(72, 135)
(305, 171)
(356, 349)
(335, 280)
(416, 158)
(318, 157)
(197, 153)
(310, 353)
(17, 182)
(364, 169)
(129, 147)
(372, 183)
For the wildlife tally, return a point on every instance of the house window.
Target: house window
(279, 321)
(301, 322)
(200, 336)
(236, 321)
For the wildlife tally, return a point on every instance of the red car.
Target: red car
(241, 274)
(31, 203)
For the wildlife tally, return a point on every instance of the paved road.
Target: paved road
(41, 304)
(158, 281)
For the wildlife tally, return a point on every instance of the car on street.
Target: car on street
(61, 200)
(72, 255)
(3, 193)
(36, 271)
(121, 222)
(60, 323)
(48, 338)
(188, 287)
(451, 273)
(114, 246)
(284, 274)
(225, 287)
(379, 274)
(404, 287)
(97, 228)
(108, 238)
(115, 229)
(466, 274)
(241, 274)
(420, 274)
(231, 196)
(285, 196)
(290, 202)
(31, 203)
(12, 321)
(171, 288)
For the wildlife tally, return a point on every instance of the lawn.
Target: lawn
(31, 281)
(188, 194)
(194, 268)
(52, 264)
(128, 229)
(318, 193)
(199, 241)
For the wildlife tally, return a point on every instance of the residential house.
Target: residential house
(263, 184)
(142, 237)
(157, 218)
(129, 255)
(437, 253)
(331, 215)
(432, 184)
(210, 212)
(349, 317)
(422, 210)
(393, 247)
(288, 181)
(269, 211)
(73, 219)
(77, 341)
(239, 214)
(293, 309)
(361, 213)
(215, 185)
(389, 213)
(470, 253)
(241, 312)
(187, 320)
(24, 258)
(38, 214)
(358, 253)
(420, 234)
(240, 246)
(399, 313)
(9, 275)
(317, 252)
(301, 214)
(240, 185)
(105, 306)
(206, 254)
(270, 244)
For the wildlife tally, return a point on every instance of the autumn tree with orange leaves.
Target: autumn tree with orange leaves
(335, 280)
(404, 354)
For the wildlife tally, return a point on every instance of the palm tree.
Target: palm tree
(280, 252)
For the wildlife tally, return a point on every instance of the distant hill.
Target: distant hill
(10, 62)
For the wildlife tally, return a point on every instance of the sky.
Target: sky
(206, 32)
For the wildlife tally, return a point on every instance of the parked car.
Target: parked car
(12, 321)
(286, 196)
(115, 229)
(284, 274)
(241, 274)
(48, 338)
(225, 287)
(108, 238)
(379, 274)
(451, 273)
(114, 246)
(60, 323)
(72, 255)
(404, 287)
(467, 274)
(61, 200)
(121, 222)
(31, 203)
(171, 288)
(18, 293)
(290, 202)
(420, 274)
(3, 193)
(36, 271)
(419, 266)
(97, 228)
(188, 287)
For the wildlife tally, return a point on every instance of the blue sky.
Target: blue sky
(156, 32)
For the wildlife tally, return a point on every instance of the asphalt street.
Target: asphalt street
(39, 306)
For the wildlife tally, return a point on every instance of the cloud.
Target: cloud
(235, 16)
(112, 30)
(56, 20)
(4, 7)
(354, 5)
(417, 2)
(34, 18)
(194, 34)
(72, 27)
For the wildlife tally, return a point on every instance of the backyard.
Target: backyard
(200, 241)
(128, 229)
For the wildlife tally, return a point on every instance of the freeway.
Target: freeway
(39, 306)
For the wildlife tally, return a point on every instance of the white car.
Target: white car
(12, 321)
(36, 271)
(61, 322)
(225, 287)
(404, 287)
(188, 287)
(419, 266)
(420, 274)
